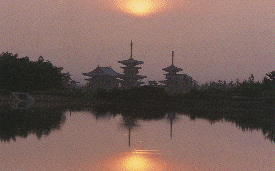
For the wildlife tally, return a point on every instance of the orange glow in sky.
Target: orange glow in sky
(140, 7)
(213, 39)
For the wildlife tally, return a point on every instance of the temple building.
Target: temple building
(175, 82)
(102, 77)
(130, 77)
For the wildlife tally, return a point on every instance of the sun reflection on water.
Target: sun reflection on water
(138, 160)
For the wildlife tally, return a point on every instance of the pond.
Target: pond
(84, 140)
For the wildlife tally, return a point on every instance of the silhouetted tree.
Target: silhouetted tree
(21, 74)
(269, 81)
(271, 76)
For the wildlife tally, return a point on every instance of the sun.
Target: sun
(140, 7)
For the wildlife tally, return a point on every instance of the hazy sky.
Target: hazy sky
(212, 39)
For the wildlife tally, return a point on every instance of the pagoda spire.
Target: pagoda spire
(172, 57)
(131, 49)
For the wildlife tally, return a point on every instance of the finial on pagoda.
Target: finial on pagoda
(172, 57)
(131, 49)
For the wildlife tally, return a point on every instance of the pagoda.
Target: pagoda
(130, 77)
(175, 82)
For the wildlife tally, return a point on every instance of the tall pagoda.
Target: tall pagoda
(175, 82)
(130, 77)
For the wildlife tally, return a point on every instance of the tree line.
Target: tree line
(24, 75)
(248, 88)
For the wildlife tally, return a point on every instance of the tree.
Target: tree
(271, 76)
(251, 79)
(269, 81)
(21, 74)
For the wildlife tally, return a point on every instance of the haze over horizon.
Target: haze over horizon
(213, 40)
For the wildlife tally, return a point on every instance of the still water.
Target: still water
(83, 141)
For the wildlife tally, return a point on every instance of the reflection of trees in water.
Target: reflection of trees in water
(102, 111)
(246, 114)
(131, 113)
(21, 123)
(129, 122)
(258, 120)
(144, 111)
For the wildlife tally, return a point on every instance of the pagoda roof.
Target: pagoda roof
(125, 67)
(102, 71)
(131, 61)
(172, 68)
(132, 76)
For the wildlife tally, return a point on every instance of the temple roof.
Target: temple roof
(131, 61)
(101, 71)
(135, 77)
(172, 68)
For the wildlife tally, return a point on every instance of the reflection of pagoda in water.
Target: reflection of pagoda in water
(176, 83)
(171, 117)
(130, 78)
(129, 123)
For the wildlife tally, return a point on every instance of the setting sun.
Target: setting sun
(140, 7)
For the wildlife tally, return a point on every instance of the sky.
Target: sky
(212, 39)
